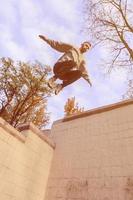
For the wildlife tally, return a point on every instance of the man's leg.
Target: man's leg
(71, 77)
(61, 68)
(57, 69)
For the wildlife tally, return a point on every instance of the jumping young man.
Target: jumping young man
(70, 66)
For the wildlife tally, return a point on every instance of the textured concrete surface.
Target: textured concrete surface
(93, 159)
(25, 161)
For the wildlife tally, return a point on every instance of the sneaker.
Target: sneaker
(51, 82)
(58, 88)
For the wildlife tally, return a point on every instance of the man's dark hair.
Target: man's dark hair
(87, 43)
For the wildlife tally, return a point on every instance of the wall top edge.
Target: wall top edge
(11, 130)
(95, 111)
(42, 134)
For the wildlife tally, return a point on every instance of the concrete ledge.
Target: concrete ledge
(96, 111)
(11, 130)
(34, 129)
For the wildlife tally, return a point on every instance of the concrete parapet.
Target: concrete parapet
(93, 159)
(25, 161)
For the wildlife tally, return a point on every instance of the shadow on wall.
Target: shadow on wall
(77, 189)
(82, 190)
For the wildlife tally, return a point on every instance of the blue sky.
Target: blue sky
(22, 21)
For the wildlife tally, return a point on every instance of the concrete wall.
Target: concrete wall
(25, 160)
(93, 159)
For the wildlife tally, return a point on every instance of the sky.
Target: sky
(63, 20)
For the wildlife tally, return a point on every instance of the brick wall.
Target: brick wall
(93, 159)
(25, 160)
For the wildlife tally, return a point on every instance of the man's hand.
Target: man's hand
(43, 37)
(89, 83)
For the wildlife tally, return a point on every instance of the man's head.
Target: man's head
(85, 46)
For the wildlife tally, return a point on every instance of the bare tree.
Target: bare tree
(110, 23)
(23, 92)
(129, 92)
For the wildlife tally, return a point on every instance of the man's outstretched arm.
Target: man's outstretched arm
(59, 46)
(85, 73)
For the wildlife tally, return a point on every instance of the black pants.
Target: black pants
(67, 72)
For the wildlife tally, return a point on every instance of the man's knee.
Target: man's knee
(63, 67)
